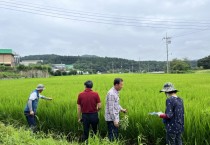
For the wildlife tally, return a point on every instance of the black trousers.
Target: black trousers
(89, 119)
(31, 119)
(112, 131)
(174, 139)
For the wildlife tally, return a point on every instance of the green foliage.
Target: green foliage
(21, 67)
(93, 64)
(72, 72)
(124, 122)
(140, 95)
(57, 73)
(179, 66)
(11, 136)
(9, 75)
(6, 68)
(204, 62)
(203, 71)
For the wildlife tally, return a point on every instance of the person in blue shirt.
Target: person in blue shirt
(173, 117)
(32, 104)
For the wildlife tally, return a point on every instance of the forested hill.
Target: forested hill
(94, 63)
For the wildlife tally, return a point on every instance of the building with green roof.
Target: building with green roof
(7, 57)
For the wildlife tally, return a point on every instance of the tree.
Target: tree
(204, 62)
(21, 67)
(179, 66)
(57, 73)
(72, 72)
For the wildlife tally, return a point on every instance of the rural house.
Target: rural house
(7, 57)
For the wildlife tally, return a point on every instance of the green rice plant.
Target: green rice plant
(124, 122)
(140, 95)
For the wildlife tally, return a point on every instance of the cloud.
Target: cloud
(29, 34)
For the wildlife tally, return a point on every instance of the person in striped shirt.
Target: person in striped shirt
(113, 109)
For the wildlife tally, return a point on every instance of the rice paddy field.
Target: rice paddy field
(139, 96)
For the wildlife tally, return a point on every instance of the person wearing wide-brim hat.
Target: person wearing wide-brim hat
(32, 104)
(173, 117)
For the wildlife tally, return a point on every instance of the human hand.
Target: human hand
(124, 110)
(116, 124)
(79, 120)
(31, 113)
(159, 113)
(50, 98)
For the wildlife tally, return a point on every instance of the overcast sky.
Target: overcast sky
(30, 34)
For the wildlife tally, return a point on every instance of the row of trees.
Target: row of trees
(86, 64)
(204, 62)
(94, 64)
(33, 67)
(25, 68)
(64, 73)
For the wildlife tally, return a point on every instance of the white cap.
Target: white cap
(40, 87)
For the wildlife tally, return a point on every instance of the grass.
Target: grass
(140, 96)
(9, 135)
(12, 136)
(9, 75)
(203, 71)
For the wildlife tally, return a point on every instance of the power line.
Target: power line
(106, 15)
(181, 35)
(118, 20)
(56, 15)
(175, 36)
(104, 21)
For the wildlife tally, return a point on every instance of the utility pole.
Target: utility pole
(112, 67)
(132, 67)
(121, 67)
(139, 66)
(91, 69)
(168, 41)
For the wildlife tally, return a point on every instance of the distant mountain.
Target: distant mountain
(93, 64)
(86, 55)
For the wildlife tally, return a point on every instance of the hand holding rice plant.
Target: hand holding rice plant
(124, 122)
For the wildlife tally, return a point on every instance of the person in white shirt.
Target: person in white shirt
(32, 104)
